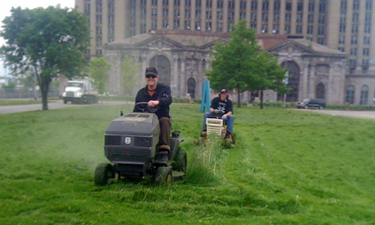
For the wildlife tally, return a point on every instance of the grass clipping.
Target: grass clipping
(205, 161)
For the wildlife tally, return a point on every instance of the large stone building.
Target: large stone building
(345, 25)
(182, 58)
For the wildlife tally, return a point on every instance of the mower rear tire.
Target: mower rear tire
(163, 175)
(103, 174)
(234, 136)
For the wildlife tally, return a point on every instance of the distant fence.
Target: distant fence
(15, 94)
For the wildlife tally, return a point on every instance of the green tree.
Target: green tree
(233, 65)
(99, 68)
(129, 72)
(268, 76)
(49, 42)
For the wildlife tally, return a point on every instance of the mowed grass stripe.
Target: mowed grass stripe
(289, 167)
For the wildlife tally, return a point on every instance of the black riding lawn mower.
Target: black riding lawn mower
(131, 145)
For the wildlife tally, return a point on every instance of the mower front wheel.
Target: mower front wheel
(163, 175)
(103, 174)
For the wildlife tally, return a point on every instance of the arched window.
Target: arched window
(364, 95)
(350, 90)
(320, 91)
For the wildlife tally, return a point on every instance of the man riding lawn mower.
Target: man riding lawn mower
(140, 144)
(221, 114)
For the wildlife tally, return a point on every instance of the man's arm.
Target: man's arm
(165, 99)
(229, 108)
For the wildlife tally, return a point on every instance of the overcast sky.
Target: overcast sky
(6, 6)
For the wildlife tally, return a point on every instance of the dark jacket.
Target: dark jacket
(162, 94)
(225, 105)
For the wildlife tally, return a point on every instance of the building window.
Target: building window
(219, 15)
(243, 5)
(310, 18)
(321, 30)
(176, 23)
(197, 25)
(299, 18)
(154, 2)
(265, 5)
(187, 25)
(341, 39)
(355, 18)
(366, 52)
(364, 95)
(320, 91)
(342, 28)
(165, 12)
(187, 13)
(99, 52)
(219, 27)
(264, 28)
(209, 4)
(208, 15)
(367, 28)
(87, 9)
(165, 2)
(353, 51)
(276, 5)
(300, 6)
(322, 7)
(230, 15)
(322, 19)
(198, 13)
(231, 5)
(208, 25)
(176, 13)
(349, 98)
(342, 17)
(99, 41)
(154, 12)
(299, 29)
(176, 2)
(354, 40)
(369, 5)
(288, 17)
(288, 7)
(287, 29)
(187, 2)
(354, 29)
(321, 41)
(276, 17)
(220, 4)
(165, 24)
(311, 6)
(310, 29)
(253, 17)
(242, 15)
(368, 17)
(356, 5)
(153, 23)
(254, 4)
(264, 17)
(341, 49)
(344, 5)
(366, 40)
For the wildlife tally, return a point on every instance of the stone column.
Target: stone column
(159, 22)
(192, 14)
(282, 16)
(170, 15)
(305, 81)
(361, 32)
(316, 20)
(248, 14)
(259, 17)
(137, 17)
(294, 18)
(183, 80)
(270, 17)
(182, 15)
(175, 89)
(214, 15)
(372, 41)
(203, 16)
(305, 17)
(312, 81)
(225, 16)
(237, 11)
(120, 20)
(148, 16)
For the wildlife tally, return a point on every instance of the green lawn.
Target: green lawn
(21, 102)
(289, 167)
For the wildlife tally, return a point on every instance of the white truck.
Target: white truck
(80, 92)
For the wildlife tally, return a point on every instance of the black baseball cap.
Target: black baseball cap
(151, 71)
(223, 91)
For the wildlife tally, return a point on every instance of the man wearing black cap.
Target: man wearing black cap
(158, 95)
(220, 104)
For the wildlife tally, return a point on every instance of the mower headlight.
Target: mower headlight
(79, 94)
(64, 94)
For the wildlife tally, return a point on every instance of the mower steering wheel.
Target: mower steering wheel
(218, 114)
(143, 106)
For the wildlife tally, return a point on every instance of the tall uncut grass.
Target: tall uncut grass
(288, 167)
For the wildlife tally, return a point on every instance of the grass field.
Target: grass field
(289, 167)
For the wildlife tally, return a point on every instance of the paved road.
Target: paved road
(360, 114)
(53, 105)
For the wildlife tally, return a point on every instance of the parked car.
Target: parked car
(312, 103)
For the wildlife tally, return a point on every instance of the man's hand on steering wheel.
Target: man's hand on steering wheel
(153, 103)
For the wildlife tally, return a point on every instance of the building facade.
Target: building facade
(345, 25)
(182, 58)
